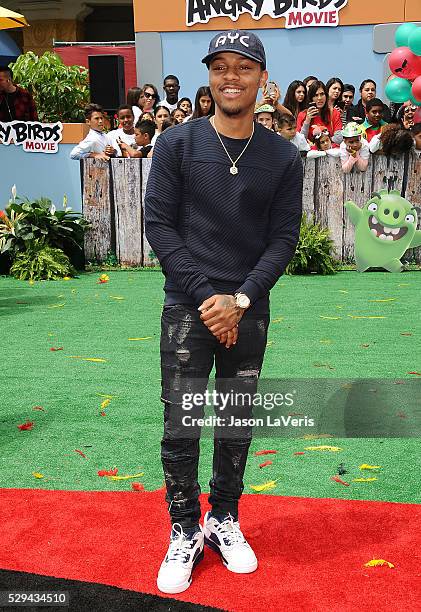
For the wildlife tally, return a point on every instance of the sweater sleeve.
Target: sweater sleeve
(284, 223)
(162, 204)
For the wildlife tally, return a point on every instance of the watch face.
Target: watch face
(243, 301)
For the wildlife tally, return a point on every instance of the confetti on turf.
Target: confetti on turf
(26, 426)
(406, 334)
(326, 341)
(299, 453)
(38, 408)
(57, 305)
(366, 466)
(267, 486)
(102, 413)
(415, 373)
(364, 479)
(379, 563)
(342, 291)
(330, 449)
(66, 278)
(265, 452)
(56, 348)
(137, 339)
(137, 486)
(330, 318)
(323, 365)
(366, 317)
(117, 297)
(112, 472)
(94, 359)
(37, 475)
(265, 464)
(315, 436)
(278, 320)
(105, 403)
(107, 396)
(104, 278)
(128, 477)
(385, 300)
(342, 469)
(340, 481)
(80, 453)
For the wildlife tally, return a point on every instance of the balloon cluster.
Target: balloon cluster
(405, 63)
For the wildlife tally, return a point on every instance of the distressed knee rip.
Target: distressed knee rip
(251, 373)
(183, 355)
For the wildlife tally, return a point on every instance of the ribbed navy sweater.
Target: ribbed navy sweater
(218, 233)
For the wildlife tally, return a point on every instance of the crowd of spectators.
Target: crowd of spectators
(320, 119)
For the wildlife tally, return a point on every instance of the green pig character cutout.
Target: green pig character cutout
(385, 228)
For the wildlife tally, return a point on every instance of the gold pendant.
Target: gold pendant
(234, 170)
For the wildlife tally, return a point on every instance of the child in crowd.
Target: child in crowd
(405, 115)
(392, 140)
(374, 122)
(265, 115)
(416, 133)
(96, 141)
(287, 127)
(122, 135)
(186, 105)
(144, 131)
(354, 149)
(161, 114)
(323, 144)
(178, 116)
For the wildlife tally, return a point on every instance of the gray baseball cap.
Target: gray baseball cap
(237, 41)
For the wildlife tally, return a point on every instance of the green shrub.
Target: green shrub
(41, 262)
(314, 251)
(60, 92)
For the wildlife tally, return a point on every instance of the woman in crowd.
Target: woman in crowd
(335, 89)
(368, 92)
(319, 113)
(161, 114)
(134, 97)
(204, 105)
(150, 98)
(347, 101)
(309, 80)
(296, 97)
(178, 116)
(186, 105)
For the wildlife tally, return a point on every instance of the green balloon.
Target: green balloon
(398, 90)
(414, 41)
(403, 33)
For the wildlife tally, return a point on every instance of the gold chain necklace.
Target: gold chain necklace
(233, 169)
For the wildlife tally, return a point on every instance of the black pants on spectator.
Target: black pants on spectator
(188, 353)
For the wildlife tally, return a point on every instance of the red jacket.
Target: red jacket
(19, 105)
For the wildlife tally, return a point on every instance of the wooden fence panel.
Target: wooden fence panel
(127, 191)
(149, 257)
(309, 167)
(329, 198)
(387, 173)
(413, 192)
(357, 187)
(97, 209)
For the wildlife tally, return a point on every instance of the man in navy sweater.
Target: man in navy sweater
(223, 211)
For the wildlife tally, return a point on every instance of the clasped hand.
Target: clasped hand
(221, 316)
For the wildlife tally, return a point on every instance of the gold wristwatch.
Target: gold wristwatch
(242, 301)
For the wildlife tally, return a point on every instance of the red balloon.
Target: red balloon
(417, 116)
(416, 89)
(405, 64)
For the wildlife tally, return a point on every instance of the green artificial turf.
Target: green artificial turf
(314, 334)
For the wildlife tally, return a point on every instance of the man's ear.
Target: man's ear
(87, 120)
(263, 78)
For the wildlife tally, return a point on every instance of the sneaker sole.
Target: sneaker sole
(232, 568)
(172, 590)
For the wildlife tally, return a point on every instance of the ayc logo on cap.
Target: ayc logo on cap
(232, 38)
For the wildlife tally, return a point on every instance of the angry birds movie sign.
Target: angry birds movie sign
(385, 228)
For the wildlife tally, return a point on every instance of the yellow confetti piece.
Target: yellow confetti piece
(94, 359)
(57, 305)
(316, 436)
(385, 300)
(404, 285)
(137, 339)
(365, 466)
(330, 449)
(365, 317)
(110, 397)
(338, 307)
(343, 291)
(37, 475)
(278, 320)
(125, 477)
(378, 562)
(327, 341)
(117, 297)
(66, 278)
(363, 479)
(267, 486)
(269, 343)
(105, 403)
(60, 296)
(330, 318)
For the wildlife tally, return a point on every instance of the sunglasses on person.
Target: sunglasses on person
(409, 108)
(149, 95)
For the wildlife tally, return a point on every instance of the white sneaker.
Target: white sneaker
(183, 554)
(227, 540)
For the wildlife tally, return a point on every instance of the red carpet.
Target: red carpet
(311, 551)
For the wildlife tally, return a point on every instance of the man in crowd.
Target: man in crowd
(223, 210)
(96, 142)
(16, 103)
(171, 88)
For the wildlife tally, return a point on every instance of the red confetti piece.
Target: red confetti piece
(415, 373)
(108, 472)
(265, 452)
(80, 453)
(342, 482)
(58, 348)
(262, 465)
(38, 408)
(299, 453)
(137, 486)
(26, 426)
(103, 413)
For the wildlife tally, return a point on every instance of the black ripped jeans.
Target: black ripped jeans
(188, 352)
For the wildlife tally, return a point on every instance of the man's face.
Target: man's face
(234, 81)
(140, 139)
(347, 98)
(265, 119)
(368, 92)
(126, 118)
(96, 122)
(288, 131)
(5, 81)
(171, 88)
(375, 114)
